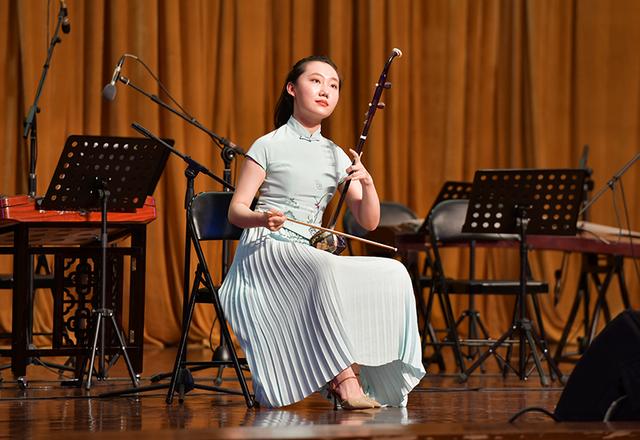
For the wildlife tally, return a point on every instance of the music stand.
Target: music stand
(524, 201)
(101, 173)
(451, 190)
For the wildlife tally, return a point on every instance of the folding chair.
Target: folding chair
(207, 217)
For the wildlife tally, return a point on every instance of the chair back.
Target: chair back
(351, 226)
(446, 221)
(207, 216)
(391, 213)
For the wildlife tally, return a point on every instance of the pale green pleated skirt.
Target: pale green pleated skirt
(302, 315)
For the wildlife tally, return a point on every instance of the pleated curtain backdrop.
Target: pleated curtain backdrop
(482, 84)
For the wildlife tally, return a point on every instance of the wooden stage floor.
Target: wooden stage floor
(440, 408)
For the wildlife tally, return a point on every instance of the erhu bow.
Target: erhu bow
(327, 238)
(340, 234)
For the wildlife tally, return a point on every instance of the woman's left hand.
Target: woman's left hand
(357, 171)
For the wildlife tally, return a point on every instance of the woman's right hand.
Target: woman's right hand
(274, 219)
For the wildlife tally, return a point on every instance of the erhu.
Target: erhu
(328, 238)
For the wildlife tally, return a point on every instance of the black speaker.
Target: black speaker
(608, 370)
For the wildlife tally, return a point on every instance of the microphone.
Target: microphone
(109, 91)
(66, 23)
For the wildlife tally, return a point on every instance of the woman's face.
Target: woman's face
(315, 92)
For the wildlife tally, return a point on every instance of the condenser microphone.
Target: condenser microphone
(109, 91)
(66, 23)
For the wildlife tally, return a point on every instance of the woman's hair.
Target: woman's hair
(284, 106)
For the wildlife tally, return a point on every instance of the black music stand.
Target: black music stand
(100, 173)
(450, 190)
(525, 201)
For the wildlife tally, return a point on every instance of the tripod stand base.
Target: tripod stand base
(220, 354)
(527, 336)
(102, 314)
(475, 323)
(184, 384)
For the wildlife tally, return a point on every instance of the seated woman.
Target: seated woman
(304, 317)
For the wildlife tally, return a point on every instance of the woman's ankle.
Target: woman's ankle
(346, 387)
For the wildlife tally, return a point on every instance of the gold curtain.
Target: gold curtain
(482, 84)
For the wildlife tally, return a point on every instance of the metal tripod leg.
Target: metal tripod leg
(490, 351)
(527, 336)
(102, 314)
(475, 322)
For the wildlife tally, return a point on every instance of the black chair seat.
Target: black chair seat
(493, 287)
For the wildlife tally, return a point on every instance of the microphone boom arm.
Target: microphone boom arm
(219, 140)
(196, 166)
(611, 183)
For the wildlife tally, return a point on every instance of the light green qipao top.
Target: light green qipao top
(303, 172)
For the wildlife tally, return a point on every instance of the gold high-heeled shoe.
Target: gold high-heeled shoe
(362, 402)
(374, 402)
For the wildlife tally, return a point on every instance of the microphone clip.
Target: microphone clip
(64, 15)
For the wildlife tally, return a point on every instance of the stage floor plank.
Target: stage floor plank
(440, 408)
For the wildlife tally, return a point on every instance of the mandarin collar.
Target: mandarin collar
(302, 132)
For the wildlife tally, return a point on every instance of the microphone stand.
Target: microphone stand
(31, 132)
(30, 125)
(193, 169)
(590, 324)
(611, 183)
(228, 152)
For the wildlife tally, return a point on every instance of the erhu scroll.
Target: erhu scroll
(331, 241)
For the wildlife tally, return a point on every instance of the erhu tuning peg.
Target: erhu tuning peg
(380, 105)
(387, 85)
